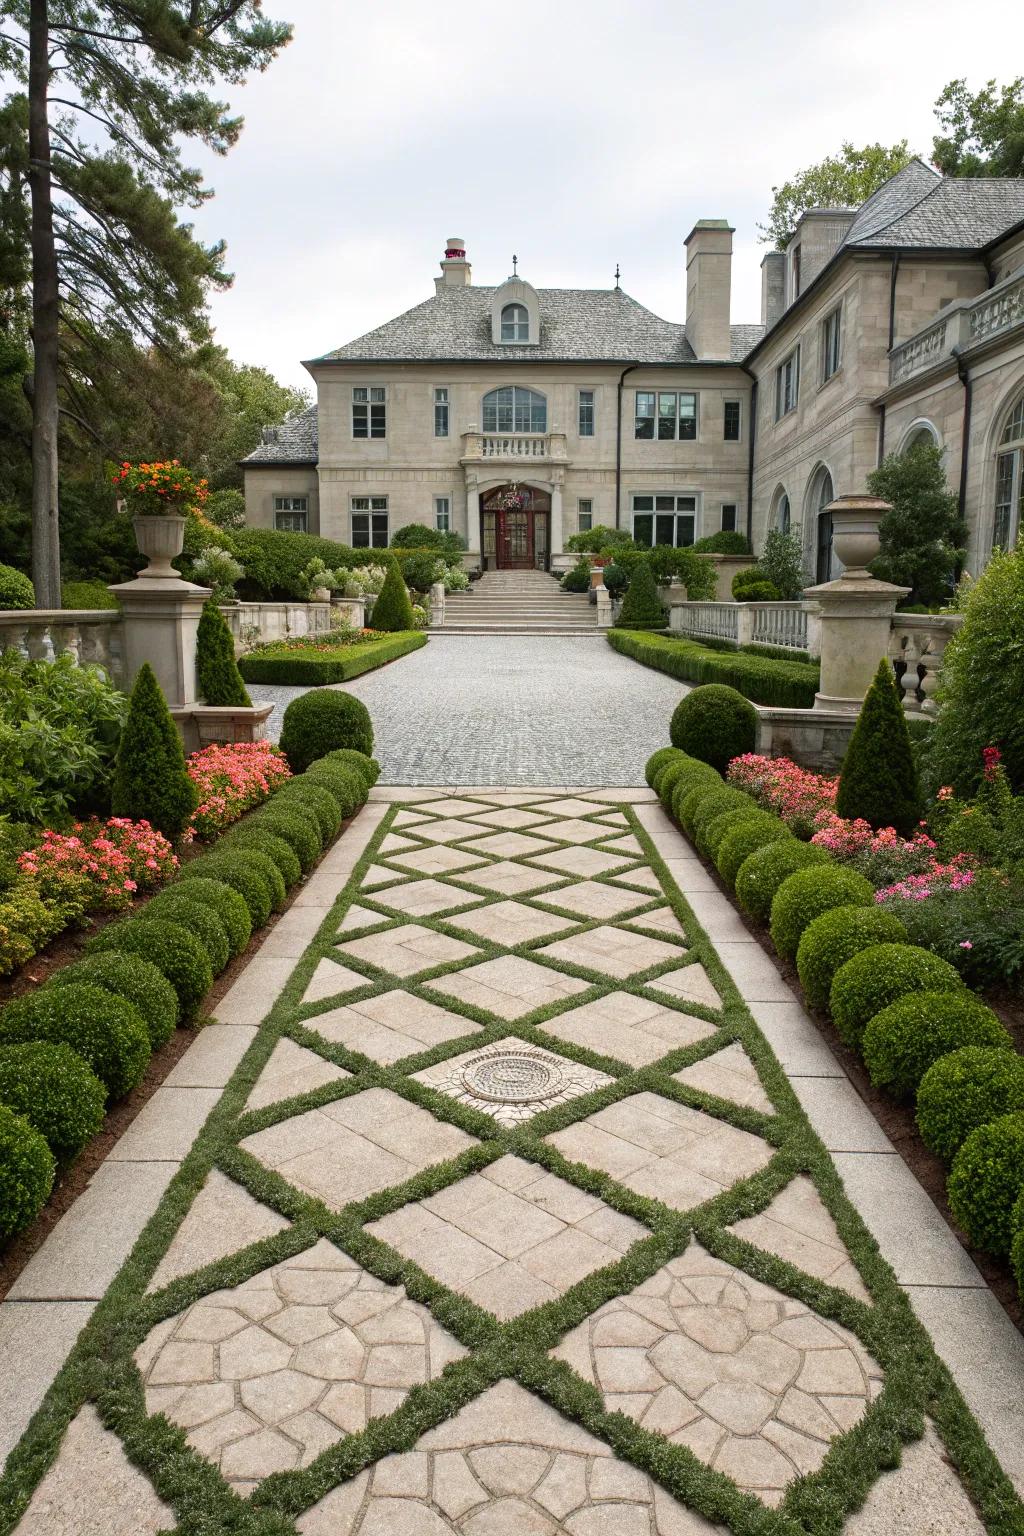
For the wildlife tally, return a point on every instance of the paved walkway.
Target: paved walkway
(509, 1219)
(511, 709)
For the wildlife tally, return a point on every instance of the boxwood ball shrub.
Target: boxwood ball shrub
(806, 895)
(283, 854)
(321, 721)
(341, 781)
(761, 874)
(107, 1031)
(27, 1168)
(16, 591)
(986, 1180)
(702, 805)
(835, 937)
(262, 864)
(316, 798)
(297, 825)
(172, 948)
(720, 826)
(177, 906)
(237, 870)
(367, 767)
(909, 1036)
(659, 760)
(685, 775)
(701, 778)
(229, 906)
(58, 1093)
(965, 1089)
(758, 830)
(714, 723)
(136, 980)
(879, 976)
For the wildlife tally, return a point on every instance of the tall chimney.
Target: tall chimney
(773, 288)
(456, 271)
(708, 285)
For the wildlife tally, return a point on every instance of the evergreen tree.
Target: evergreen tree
(392, 608)
(220, 681)
(641, 606)
(150, 781)
(878, 780)
(923, 538)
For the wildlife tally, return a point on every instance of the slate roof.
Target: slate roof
(576, 325)
(296, 442)
(917, 209)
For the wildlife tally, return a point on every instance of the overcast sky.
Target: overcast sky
(576, 134)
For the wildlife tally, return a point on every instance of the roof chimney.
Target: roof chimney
(773, 288)
(818, 235)
(456, 271)
(708, 286)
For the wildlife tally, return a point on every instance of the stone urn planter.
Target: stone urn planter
(855, 538)
(160, 538)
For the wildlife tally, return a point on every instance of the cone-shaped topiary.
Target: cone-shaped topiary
(878, 780)
(392, 608)
(641, 606)
(220, 681)
(150, 781)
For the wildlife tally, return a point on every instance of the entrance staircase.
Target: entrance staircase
(519, 603)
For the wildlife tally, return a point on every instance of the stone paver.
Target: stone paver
(749, 1380)
(510, 922)
(266, 1375)
(425, 898)
(509, 986)
(690, 984)
(923, 1497)
(593, 899)
(612, 951)
(511, 1080)
(508, 845)
(580, 861)
(511, 1237)
(407, 949)
(92, 1474)
(437, 861)
(729, 1074)
(292, 1070)
(390, 1026)
(222, 1219)
(35, 1337)
(512, 818)
(331, 979)
(509, 879)
(798, 1228)
(632, 1029)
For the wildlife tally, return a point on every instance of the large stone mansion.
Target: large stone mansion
(902, 318)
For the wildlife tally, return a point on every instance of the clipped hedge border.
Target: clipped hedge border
(790, 684)
(277, 665)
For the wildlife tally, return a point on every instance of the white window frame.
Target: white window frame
(1008, 503)
(787, 384)
(588, 404)
(658, 414)
(831, 343)
(442, 410)
(517, 324)
(584, 509)
(443, 509)
(372, 508)
(288, 507)
(676, 512)
(739, 421)
(516, 406)
(369, 408)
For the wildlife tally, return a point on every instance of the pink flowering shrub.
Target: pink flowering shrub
(883, 857)
(778, 784)
(103, 863)
(231, 779)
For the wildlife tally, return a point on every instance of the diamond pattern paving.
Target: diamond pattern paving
(749, 1380)
(510, 923)
(424, 898)
(507, 845)
(265, 1376)
(589, 898)
(612, 951)
(797, 1227)
(330, 978)
(631, 1029)
(512, 1081)
(512, 818)
(690, 984)
(511, 1237)
(436, 861)
(448, 830)
(573, 830)
(391, 1026)
(510, 986)
(580, 861)
(731, 1075)
(409, 948)
(509, 879)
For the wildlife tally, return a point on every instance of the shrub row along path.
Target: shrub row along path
(510, 709)
(520, 1210)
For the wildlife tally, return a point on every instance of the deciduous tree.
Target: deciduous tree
(844, 180)
(982, 133)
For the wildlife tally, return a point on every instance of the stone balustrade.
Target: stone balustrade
(919, 352)
(717, 621)
(261, 623)
(961, 325)
(789, 626)
(917, 645)
(999, 310)
(92, 636)
(514, 447)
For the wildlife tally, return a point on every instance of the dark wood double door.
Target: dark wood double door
(515, 538)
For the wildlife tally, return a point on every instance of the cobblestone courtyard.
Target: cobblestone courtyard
(515, 1213)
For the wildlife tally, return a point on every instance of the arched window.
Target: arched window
(512, 409)
(515, 323)
(1009, 479)
(783, 513)
(922, 432)
(821, 494)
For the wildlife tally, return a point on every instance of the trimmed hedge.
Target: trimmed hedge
(986, 1181)
(316, 798)
(177, 906)
(714, 724)
(57, 1092)
(835, 937)
(702, 805)
(683, 770)
(275, 848)
(236, 869)
(16, 590)
(172, 949)
(759, 678)
(343, 782)
(659, 760)
(136, 980)
(229, 906)
(912, 1034)
(107, 1031)
(26, 1172)
(760, 875)
(702, 782)
(759, 830)
(1017, 1249)
(321, 721)
(880, 975)
(718, 829)
(806, 895)
(965, 1089)
(297, 824)
(315, 669)
(368, 768)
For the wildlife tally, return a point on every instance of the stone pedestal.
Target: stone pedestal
(437, 605)
(161, 617)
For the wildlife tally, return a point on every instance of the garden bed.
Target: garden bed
(762, 679)
(316, 663)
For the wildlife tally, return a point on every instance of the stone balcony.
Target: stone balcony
(514, 447)
(961, 326)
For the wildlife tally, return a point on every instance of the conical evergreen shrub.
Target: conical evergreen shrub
(392, 609)
(878, 780)
(150, 781)
(220, 681)
(641, 606)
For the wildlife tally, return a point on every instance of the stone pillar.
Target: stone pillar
(437, 601)
(855, 611)
(557, 541)
(604, 607)
(161, 617)
(744, 623)
(473, 521)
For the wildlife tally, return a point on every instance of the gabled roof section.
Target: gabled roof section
(576, 325)
(294, 442)
(917, 209)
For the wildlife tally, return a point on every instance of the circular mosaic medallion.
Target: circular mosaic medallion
(512, 1077)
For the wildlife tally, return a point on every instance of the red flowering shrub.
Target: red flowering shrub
(231, 779)
(777, 784)
(160, 487)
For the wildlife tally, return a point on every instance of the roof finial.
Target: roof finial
(617, 274)
(515, 260)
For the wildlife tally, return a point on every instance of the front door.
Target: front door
(515, 539)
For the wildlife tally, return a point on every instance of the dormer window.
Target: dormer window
(515, 323)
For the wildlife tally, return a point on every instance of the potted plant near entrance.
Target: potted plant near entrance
(159, 496)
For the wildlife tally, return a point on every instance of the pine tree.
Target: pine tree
(150, 780)
(220, 681)
(641, 606)
(878, 780)
(392, 608)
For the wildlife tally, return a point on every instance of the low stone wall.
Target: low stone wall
(264, 622)
(814, 738)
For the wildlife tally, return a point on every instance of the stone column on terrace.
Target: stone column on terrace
(161, 618)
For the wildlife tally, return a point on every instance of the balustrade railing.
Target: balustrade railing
(781, 624)
(917, 645)
(717, 621)
(789, 626)
(997, 311)
(514, 445)
(91, 636)
(963, 324)
(919, 352)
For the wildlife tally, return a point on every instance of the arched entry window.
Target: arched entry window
(821, 494)
(515, 323)
(512, 409)
(783, 518)
(1010, 479)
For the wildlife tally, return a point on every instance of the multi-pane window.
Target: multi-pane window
(290, 513)
(512, 409)
(787, 384)
(665, 520)
(585, 515)
(731, 431)
(1009, 508)
(586, 413)
(369, 522)
(668, 415)
(441, 412)
(515, 323)
(442, 514)
(831, 339)
(369, 411)
(729, 517)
